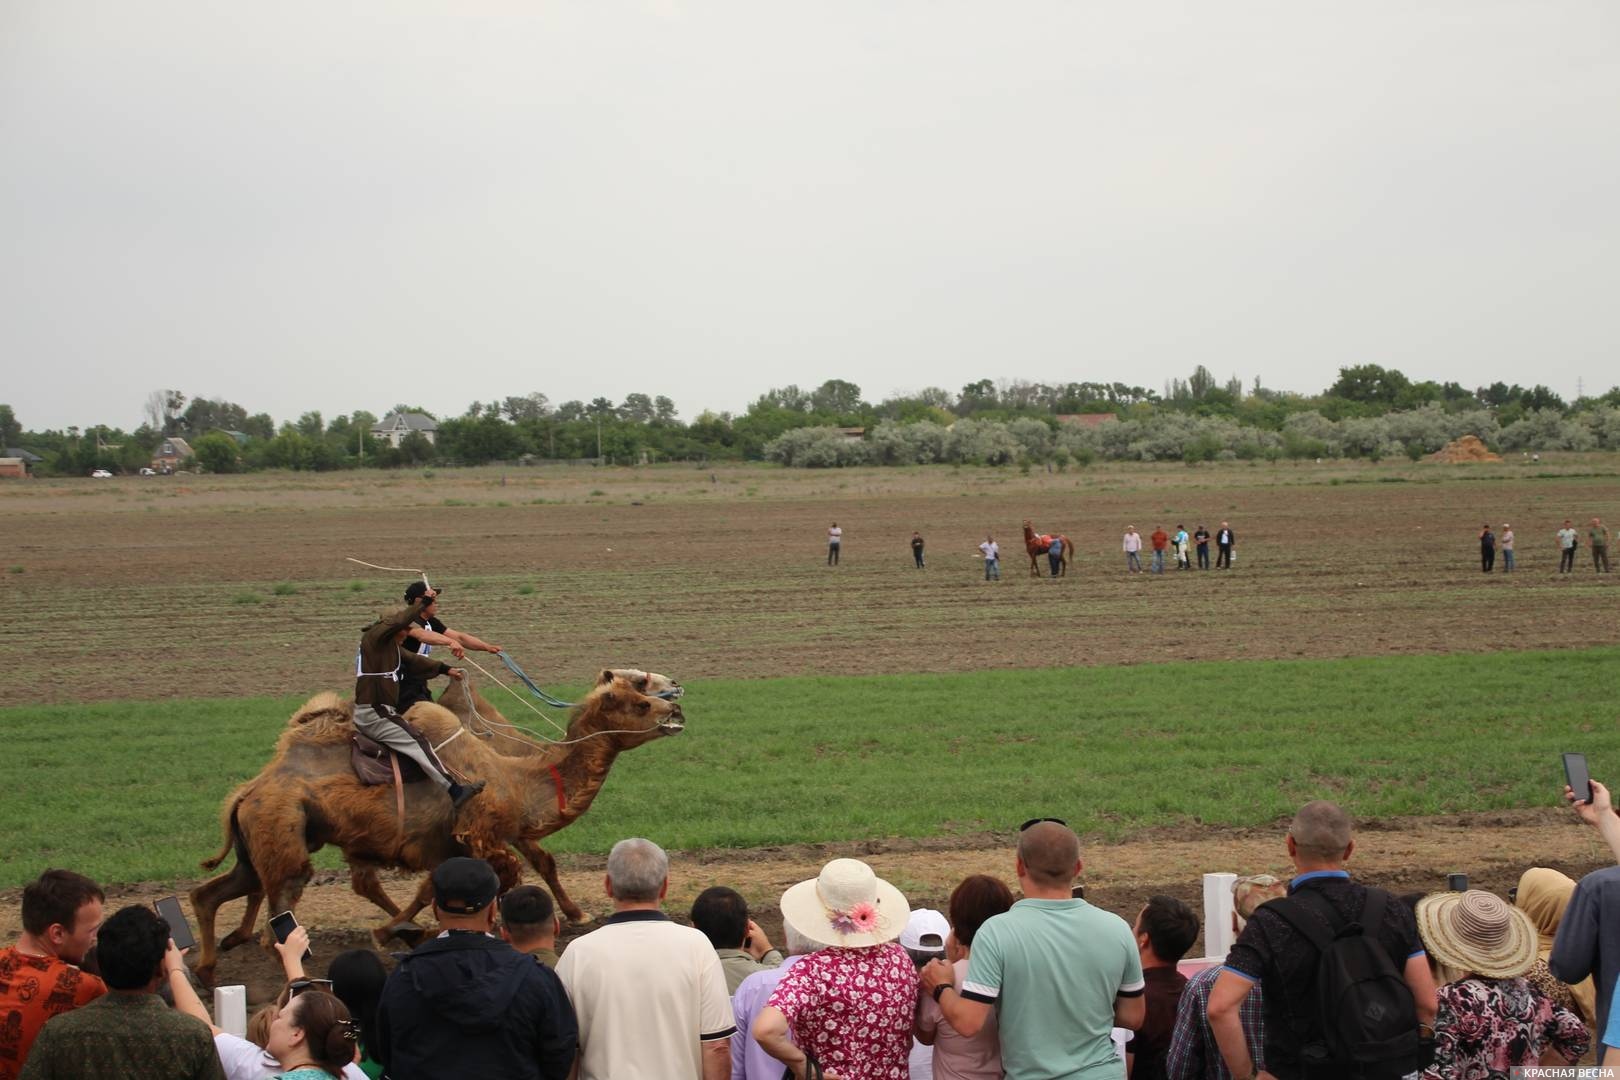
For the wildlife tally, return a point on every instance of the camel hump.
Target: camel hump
(433, 720)
(325, 706)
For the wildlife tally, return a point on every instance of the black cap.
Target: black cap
(463, 886)
(415, 591)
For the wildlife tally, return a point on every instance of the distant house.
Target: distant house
(1087, 419)
(241, 437)
(395, 426)
(17, 462)
(853, 434)
(171, 453)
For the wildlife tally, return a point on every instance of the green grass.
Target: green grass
(285, 588)
(131, 791)
(247, 598)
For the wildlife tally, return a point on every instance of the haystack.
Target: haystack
(1463, 451)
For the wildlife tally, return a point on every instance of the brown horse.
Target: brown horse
(1039, 545)
(308, 797)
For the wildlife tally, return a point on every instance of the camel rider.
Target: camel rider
(379, 665)
(425, 632)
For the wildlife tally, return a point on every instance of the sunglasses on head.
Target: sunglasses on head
(1039, 820)
(298, 986)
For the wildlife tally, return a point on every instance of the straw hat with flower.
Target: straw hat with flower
(846, 905)
(1479, 932)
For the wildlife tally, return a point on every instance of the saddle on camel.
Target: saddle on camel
(308, 796)
(1040, 544)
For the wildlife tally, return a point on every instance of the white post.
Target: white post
(1218, 936)
(230, 1009)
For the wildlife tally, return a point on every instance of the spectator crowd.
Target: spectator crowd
(1328, 978)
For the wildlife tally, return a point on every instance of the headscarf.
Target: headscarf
(1544, 896)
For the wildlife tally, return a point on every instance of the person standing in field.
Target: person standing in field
(917, 549)
(1598, 535)
(1201, 538)
(1566, 548)
(1133, 550)
(1054, 554)
(835, 539)
(992, 558)
(1183, 560)
(1225, 541)
(1487, 548)
(1507, 548)
(1161, 540)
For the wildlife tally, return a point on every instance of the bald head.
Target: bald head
(1321, 833)
(1050, 853)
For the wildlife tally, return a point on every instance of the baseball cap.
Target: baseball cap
(416, 589)
(462, 886)
(925, 931)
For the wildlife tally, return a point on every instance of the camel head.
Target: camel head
(636, 717)
(649, 683)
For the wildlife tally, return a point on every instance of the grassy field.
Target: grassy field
(130, 792)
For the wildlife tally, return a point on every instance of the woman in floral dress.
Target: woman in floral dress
(849, 1004)
(1491, 1019)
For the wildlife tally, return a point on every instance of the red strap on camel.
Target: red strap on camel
(556, 778)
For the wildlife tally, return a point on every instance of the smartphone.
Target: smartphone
(1078, 892)
(283, 925)
(1457, 882)
(1580, 781)
(179, 929)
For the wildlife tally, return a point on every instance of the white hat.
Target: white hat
(846, 905)
(925, 931)
(1479, 932)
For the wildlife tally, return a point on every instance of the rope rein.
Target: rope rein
(496, 725)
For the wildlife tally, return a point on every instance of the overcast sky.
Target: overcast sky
(301, 205)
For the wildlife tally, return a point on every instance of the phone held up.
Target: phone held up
(179, 929)
(283, 925)
(1580, 781)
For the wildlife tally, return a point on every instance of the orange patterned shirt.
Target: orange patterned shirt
(32, 990)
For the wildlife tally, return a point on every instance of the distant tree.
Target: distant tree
(531, 406)
(601, 408)
(663, 410)
(310, 425)
(1369, 384)
(1200, 382)
(216, 452)
(163, 409)
(1539, 397)
(260, 426)
(571, 410)
(789, 397)
(415, 449)
(638, 409)
(977, 396)
(424, 412)
(10, 429)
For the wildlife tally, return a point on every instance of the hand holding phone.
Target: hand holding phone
(1580, 781)
(283, 926)
(179, 929)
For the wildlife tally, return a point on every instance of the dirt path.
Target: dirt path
(1404, 855)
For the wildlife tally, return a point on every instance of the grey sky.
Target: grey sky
(338, 206)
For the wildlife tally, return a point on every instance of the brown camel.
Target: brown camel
(1039, 545)
(308, 797)
(482, 719)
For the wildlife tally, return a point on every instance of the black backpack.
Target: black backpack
(1365, 1023)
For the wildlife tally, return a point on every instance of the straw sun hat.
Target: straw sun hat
(1479, 932)
(846, 905)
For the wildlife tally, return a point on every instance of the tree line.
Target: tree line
(1368, 411)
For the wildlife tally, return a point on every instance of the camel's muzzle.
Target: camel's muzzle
(674, 723)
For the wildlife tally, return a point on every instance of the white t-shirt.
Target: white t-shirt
(991, 549)
(246, 1061)
(1566, 538)
(647, 992)
(1133, 541)
(834, 535)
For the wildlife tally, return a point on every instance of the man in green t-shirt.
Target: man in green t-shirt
(1598, 536)
(1059, 973)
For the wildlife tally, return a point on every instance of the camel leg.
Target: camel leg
(364, 881)
(283, 896)
(250, 915)
(400, 925)
(239, 880)
(541, 860)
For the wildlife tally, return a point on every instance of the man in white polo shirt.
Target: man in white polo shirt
(650, 994)
(1059, 973)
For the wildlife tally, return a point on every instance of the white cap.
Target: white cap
(925, 931)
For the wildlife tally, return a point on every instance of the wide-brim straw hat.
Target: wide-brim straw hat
(1479, 932)
(847, 906)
